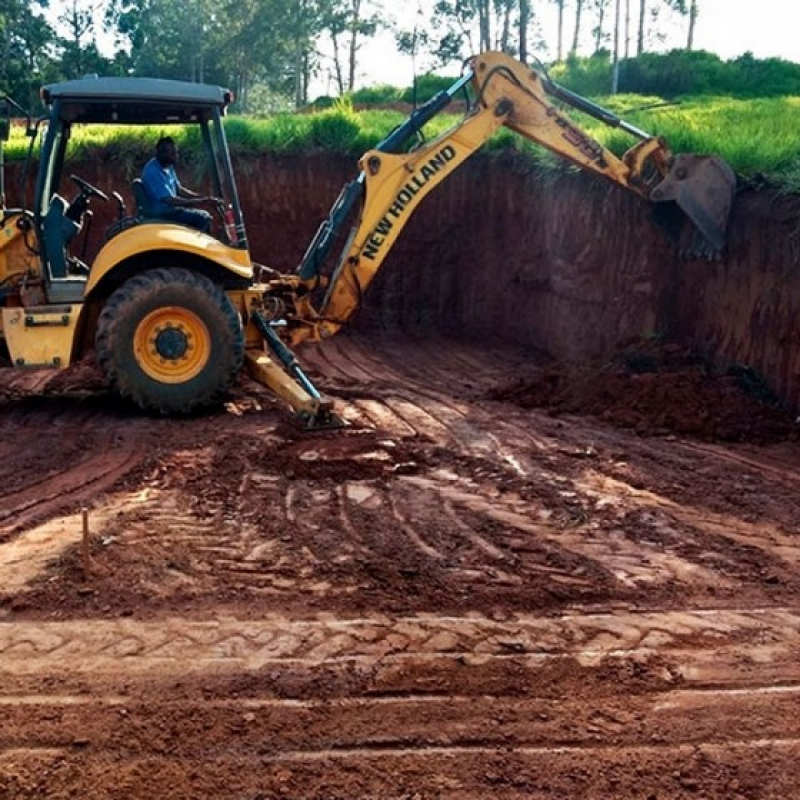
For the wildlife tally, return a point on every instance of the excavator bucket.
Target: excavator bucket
(703, 188)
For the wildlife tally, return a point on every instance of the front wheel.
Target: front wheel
(170, 340)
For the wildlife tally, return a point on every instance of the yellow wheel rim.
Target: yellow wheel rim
(172, 344)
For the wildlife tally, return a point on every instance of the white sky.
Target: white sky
(726, 27)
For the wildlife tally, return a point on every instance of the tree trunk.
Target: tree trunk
(355, 19)
(615, 66)
(642, 16)
(575, 38)
(560, 53)
(298, 83)
(598, 31)
(627, 28)
(693, 12)
(524, 20)
(484, 23)
(506, 36)
(337, 65)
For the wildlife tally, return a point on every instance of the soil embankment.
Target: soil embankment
(572, 267)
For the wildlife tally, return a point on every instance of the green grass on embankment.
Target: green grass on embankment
(756, 137)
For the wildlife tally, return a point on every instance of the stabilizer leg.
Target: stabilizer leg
(288, 381)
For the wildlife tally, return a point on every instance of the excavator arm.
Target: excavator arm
(392, 183)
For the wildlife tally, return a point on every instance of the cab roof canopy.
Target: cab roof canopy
(134, 101)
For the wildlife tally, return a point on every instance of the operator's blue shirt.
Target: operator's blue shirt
(159, 183)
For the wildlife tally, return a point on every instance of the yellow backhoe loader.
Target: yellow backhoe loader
(174, 313)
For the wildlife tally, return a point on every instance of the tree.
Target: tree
(640, 37)
(686, 8)
(693, 12)
(577, 33)
(560, 37)
(165, 39)
(235, 43)
(627, 28)
(484, 24)
(79, 53)
(28, 50)
(347, 22)
(654, 9)
(78, 19)
(524, 22)
(598, 32)
(300, 36)
(413, 42)
(615, 63)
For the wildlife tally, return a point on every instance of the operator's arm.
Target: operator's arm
(186, 197)
(165, 190)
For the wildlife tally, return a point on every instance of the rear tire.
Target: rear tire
(170, 340)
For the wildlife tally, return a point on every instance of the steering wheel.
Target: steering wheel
(87, 188)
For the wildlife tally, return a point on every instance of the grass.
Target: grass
(756, 137)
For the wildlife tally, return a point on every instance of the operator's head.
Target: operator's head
(166, 151)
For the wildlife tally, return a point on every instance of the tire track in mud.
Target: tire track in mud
(469, 601)
(400, 705)
(574, 531)
(428, 412)
(41, 498)
(712, 647)
(58, 456)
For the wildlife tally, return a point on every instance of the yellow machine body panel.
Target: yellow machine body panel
(41, 336)
(151, 237)
(16, 258)
(395, 186)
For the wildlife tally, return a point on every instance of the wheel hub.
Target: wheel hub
(172, 344)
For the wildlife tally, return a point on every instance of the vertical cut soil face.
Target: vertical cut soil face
(516, 573)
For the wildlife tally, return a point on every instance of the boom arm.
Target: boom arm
(391, 184)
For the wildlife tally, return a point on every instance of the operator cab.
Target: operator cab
(62, 205)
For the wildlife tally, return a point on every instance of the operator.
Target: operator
(169, 200)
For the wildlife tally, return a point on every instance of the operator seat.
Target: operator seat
(59, 231)
(144, 209)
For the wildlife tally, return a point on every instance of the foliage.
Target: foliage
(27, 40)
(336, 129)
(376, 96)
(461, 28)
(586, 76)
(426, 86)
(682, 72)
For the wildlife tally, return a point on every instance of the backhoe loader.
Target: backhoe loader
(174, 313)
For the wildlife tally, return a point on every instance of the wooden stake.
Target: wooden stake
(85, 557)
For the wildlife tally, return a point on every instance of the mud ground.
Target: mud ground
(502, 580)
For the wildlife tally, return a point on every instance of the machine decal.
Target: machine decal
(404, 197)
(577, 138)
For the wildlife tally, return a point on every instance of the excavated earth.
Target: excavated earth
(555, 553)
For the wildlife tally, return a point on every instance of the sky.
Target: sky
(727, 27)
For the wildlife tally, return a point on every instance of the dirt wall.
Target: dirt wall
(570, 266)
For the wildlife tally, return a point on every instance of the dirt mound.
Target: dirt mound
(657, 391)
